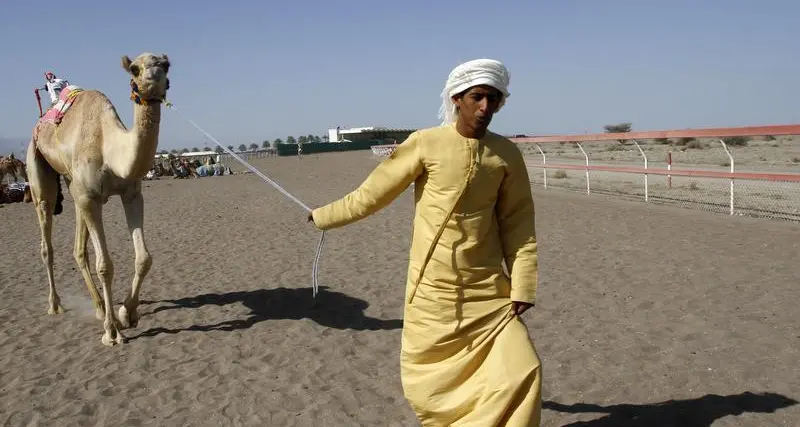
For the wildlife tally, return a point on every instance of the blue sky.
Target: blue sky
(249, 71)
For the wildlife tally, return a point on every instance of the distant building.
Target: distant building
(189, 154)
(198, 154)
(373, 133)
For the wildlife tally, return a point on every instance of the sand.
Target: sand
(648, 315)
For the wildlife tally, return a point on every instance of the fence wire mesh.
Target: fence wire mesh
(759, 198)
(751, 197)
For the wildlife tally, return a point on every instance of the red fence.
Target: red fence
(774, 130)
(761, 199)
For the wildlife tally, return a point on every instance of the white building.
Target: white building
(368, 133)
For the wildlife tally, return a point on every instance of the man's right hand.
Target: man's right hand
(519, 307)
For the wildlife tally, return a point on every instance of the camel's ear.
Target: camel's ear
(166, 63)
(126, 63)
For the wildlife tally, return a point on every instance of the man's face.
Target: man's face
(477, 106)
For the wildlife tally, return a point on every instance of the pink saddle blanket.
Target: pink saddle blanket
(65, 100)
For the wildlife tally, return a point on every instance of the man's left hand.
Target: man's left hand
(518, 307)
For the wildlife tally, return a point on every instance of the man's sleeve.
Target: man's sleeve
(381, 187)
(516, 216)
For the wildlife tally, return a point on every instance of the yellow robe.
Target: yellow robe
(466, 360)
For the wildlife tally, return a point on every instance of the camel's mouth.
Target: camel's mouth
(143, 95)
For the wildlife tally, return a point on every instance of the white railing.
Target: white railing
(773, 193)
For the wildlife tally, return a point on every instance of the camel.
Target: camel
(183, 169)
(12, 166)
(99, 158)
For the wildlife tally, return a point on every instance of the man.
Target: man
(53, 86)
(466, 355)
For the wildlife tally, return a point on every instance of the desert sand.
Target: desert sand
(648, 315)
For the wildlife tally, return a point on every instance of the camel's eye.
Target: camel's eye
(135, 70)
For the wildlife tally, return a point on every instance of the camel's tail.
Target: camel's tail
(38, 166)
(59, 197)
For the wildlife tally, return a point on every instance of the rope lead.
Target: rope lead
(315, 267)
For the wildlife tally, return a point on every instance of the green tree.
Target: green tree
(242, 147)
(265, 144)
(738, 141)
(253, 146)
(619, 128)
(278, 141)
(290, 140)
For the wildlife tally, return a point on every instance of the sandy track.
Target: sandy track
(676, 304)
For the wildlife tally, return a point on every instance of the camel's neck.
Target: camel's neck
(139, 150)
(146, 123)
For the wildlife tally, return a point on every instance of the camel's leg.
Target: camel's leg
(91, 211)
(44, 210)
(134, 214)
(81, 257)
(43, 185)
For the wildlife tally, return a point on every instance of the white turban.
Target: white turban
(469, 74)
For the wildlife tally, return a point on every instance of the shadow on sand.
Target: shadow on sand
(331, 309)
(700, 412)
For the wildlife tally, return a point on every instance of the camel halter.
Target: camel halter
(137, 98)
(315, 266)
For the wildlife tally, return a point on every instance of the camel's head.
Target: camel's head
(149, 82)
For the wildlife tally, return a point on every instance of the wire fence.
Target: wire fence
(707, 178)
(760, 198)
